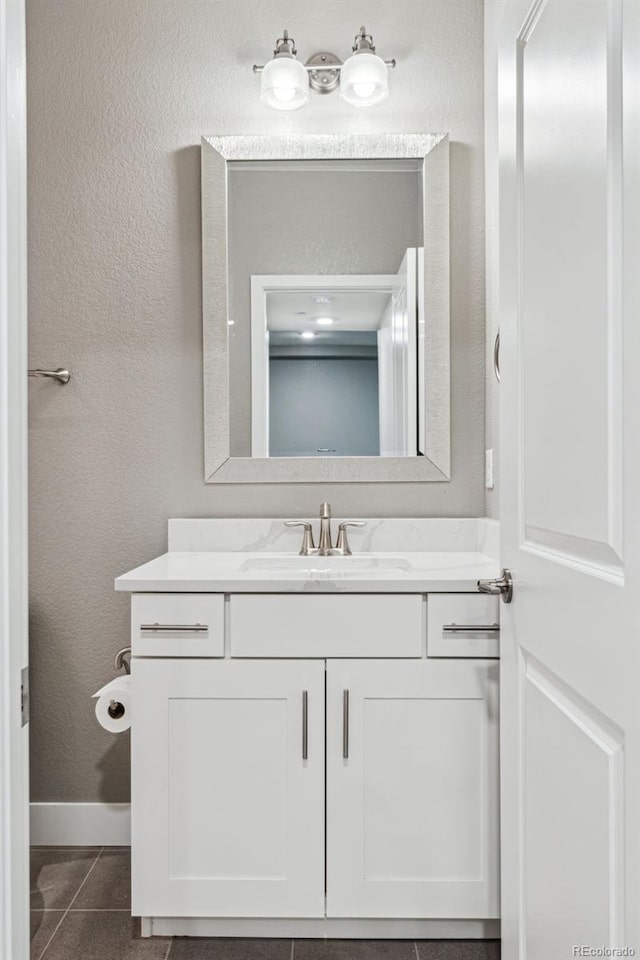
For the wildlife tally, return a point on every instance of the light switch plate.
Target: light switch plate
(488, 469)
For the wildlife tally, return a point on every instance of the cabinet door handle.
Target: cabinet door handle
(305, 724)
(345, 724)
(471, 628)
(174, 627)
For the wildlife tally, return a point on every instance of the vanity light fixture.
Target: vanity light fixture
(284, 84)
(363, 79)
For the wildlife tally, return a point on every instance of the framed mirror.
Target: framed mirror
(326, 308)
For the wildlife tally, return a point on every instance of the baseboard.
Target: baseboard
(80, 824)
(331, 927)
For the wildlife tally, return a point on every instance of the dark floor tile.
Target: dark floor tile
(354, 950)
(43, 923)
(109, 885)
(198, 948)
(458, 949)
(56, 875)
(103, 935)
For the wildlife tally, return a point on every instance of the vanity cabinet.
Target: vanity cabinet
(412, 788)
(227, 814)
(230, 798)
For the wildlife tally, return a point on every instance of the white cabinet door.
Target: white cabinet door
(227, 814)
(412, 789)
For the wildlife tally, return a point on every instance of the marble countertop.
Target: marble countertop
(256, 572)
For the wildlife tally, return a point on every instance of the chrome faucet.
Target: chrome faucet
(325, 547)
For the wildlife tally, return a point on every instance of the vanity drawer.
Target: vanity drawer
(350, 625)
(187, 625)
(447, 612)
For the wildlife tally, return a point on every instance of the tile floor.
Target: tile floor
(80, 911)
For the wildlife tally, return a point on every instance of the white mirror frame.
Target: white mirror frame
(220, 466)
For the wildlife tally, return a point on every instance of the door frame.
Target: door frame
(14, 741)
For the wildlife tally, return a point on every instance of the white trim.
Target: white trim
(80, 824)
(14, 738)
(334, 927)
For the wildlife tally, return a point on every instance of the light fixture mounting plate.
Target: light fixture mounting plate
(322, 78)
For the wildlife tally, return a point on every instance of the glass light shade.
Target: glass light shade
(364, 80)
(284, 84)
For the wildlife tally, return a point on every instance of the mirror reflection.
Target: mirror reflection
(325, 317)
(334, 365)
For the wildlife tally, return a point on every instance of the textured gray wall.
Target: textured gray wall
(316, 403)
(120, 92)
(308, 222)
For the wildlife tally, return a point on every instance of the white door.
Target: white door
(398, 365)
(570, 406)
(412, 788)
(387, 413)
(14, 738)
(228, 788)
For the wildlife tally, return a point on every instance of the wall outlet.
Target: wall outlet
(488, 469)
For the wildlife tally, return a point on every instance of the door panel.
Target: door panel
(567, 745)
(227, 815)
(222, 790)
(570, 275)
(570, 729)
(412, 811)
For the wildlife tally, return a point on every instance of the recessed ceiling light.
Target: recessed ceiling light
(307, 334)
(322, 299)
(300, 313)
(324, 321)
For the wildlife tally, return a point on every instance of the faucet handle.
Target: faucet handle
(342, 546)
(307, 537)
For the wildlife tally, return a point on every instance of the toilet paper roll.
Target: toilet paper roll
(113, 705)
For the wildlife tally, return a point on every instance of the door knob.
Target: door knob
(502, 586)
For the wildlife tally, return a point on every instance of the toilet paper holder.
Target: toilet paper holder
(115, 708)
(120, 662)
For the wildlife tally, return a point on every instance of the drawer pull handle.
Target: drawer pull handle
(345, 724)
(471, 628)
(305, 724)
(174, 627)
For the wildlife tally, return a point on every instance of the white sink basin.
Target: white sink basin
(315, 566)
